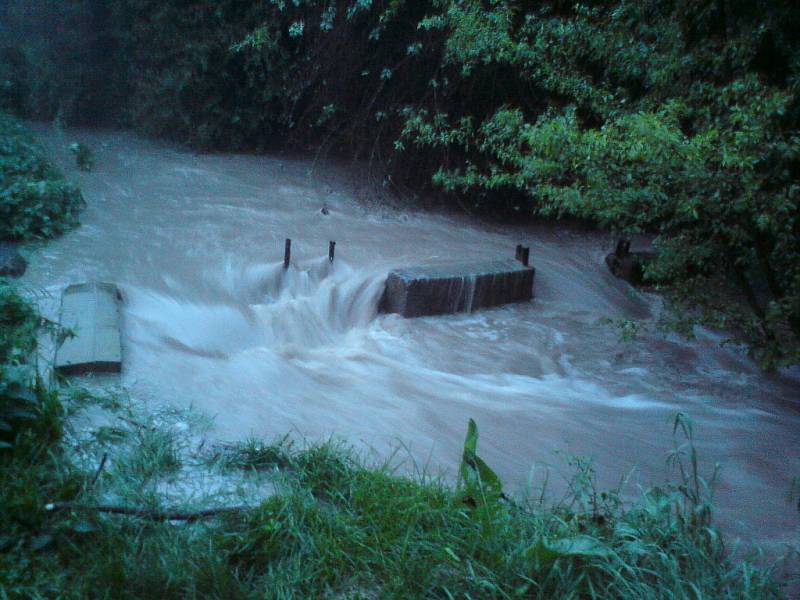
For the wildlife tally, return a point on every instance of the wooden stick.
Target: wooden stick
(99, 469)
(146, 513)
(525, 255)
(287, 253)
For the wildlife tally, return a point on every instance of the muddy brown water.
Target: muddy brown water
(210, 321)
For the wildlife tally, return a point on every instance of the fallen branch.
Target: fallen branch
(146, 513)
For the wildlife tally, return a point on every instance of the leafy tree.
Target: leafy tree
(641, 125)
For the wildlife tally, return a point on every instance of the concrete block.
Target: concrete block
(91, 311)
(453, 288)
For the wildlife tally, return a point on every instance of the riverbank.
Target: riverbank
(107, 499)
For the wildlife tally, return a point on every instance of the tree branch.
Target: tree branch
(146, 513)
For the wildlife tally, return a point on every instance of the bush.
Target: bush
(35, 200)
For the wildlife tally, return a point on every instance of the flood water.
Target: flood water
(211, 321)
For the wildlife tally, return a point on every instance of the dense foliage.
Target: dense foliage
(35, 199)
(56, 61)
(677, 119)
(20, 395)
(30, 428)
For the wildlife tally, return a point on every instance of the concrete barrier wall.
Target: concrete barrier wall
(446, 289)
(91, 311)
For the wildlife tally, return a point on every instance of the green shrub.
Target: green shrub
(35, 200)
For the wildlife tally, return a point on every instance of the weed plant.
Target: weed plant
(84, 157)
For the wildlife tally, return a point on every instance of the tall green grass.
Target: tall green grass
(334, 527)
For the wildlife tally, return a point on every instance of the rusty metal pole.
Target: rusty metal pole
(287, 253)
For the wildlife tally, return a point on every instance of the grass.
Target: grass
(333, 527)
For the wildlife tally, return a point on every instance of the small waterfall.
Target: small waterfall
(461, 292)
(313, 304)
(305, 306)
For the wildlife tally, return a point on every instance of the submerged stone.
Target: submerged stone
(91, 312)
(11, 262)
(453, 288)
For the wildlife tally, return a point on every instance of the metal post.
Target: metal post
(287, 253)
(331, 250)
(525, 255)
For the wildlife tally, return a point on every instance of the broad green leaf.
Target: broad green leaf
(473, 470)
